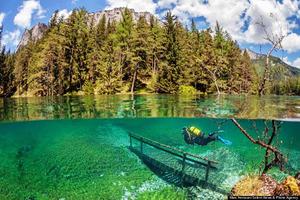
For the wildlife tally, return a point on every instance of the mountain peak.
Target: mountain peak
(115, 14)
(253, 55)
(33, 34)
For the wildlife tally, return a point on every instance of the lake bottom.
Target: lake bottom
(90, 159)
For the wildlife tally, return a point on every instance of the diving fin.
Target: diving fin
(226, 142)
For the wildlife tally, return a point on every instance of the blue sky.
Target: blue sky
(238, 17)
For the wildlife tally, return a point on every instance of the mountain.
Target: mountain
(277, 64)
(116, 15)
(37, 31)
(34, 34)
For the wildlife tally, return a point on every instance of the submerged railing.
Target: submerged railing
(185, 156)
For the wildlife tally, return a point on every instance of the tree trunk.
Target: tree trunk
(216, 84)
(261, 90)
(214, 77)
(133, 80)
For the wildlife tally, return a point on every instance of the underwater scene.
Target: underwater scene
(84, 151)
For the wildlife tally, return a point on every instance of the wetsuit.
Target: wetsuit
(200, 140)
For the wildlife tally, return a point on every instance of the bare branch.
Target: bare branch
(279, 159)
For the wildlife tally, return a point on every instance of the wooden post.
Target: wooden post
(207, 171)
(183, 167)
(183, 163)
(130, 139)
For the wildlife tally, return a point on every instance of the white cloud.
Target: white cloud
(275, 16)
(286, 60)
(26, 11)
(291, 43)
(296, 63)
(13, 37)
(2, 15)
(137, 5)
(64, 13)
(166, 3)
(240, 18)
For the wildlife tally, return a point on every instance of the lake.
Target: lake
(77, 147)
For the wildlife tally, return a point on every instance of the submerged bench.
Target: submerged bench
(186, 158)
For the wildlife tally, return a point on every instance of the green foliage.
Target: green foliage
(129, 56)
(88, 88)
(187, 90)
(6, 71)
(170, 71)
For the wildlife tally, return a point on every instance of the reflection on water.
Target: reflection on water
(127, 106)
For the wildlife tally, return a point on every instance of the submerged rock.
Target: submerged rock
(255, 186)
(297, 176)
(289, 187)
(266, 186)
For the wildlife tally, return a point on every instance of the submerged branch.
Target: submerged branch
(279, 159)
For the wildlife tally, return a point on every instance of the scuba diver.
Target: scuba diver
(194, 135)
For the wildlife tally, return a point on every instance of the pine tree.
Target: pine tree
(124, 36)
(222, 65)
(140, 49)
(21, 68)
(80, 54)
(190, 47)
(109, 68)
(76, 34)
(170, 71)
(156, 53)
(46, 72)
(7, 59)
(207, 63)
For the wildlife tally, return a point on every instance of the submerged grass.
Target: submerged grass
(73, 166)
(89, 159)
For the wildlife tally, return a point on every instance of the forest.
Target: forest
(77, 56)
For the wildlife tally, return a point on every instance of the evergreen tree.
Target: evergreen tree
(76, 51)
(107, 57)
(110, 70)
(170, 71)
(6, 70)
(208, 81)
(21, 68)
(124, 36)
(190, 53)
(140, 49)
(156, 54)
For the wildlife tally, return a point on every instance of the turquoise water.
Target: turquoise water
(77, 147)
(90, 159)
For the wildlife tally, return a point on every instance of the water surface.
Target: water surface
(124, 106)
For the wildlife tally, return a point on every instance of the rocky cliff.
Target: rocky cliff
(253, 55)
(37, 31)
(33, 34)
(116, 14)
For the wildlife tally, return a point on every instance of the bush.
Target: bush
(88, 88)
(187, 90)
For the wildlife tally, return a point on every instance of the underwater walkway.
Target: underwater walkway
(172, 164)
